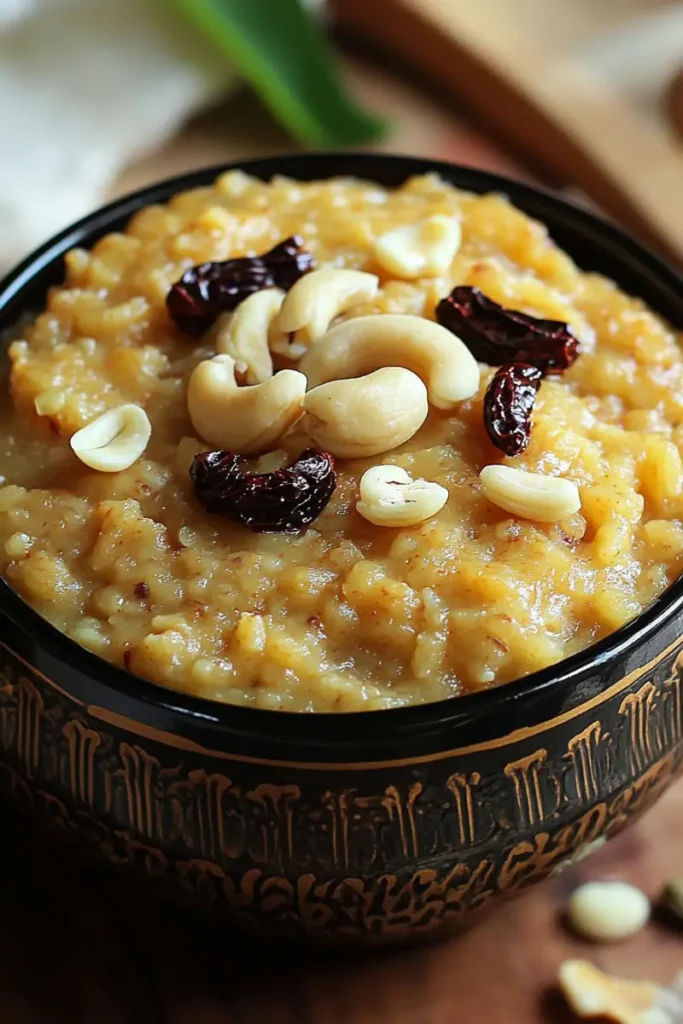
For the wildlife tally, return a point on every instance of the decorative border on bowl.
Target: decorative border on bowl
(392, 848)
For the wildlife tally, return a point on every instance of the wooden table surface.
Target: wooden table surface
(79, 946)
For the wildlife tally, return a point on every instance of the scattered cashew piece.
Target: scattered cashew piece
(545, 499)
(390, 497)
(315, 300)
(425, 249)
(368, 415)
(592, 993)
(246, 334)
(608, 911)
(246, 420)
(366, 343)
(113, 441)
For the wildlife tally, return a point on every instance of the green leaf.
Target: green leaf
(279, 48)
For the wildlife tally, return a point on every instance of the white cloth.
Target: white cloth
(85, 86)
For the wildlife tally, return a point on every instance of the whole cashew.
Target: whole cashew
(246, 333)
(245, 420)
(366, 343)
(357, 418)
(317, 298)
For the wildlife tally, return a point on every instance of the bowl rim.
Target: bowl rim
(456, 710)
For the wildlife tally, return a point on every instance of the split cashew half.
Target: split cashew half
(367, 343)
(390, 497)
(315, 300)
(245, 420)
(425, 249)
(365, 416)
(545, 499)
(113, 441)
(246, 334)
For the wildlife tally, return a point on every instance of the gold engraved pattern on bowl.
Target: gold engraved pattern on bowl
(134, 781)
(247, 843)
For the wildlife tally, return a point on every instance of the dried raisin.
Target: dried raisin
(497, 335)
(508, 404)
(205, 291)
(281, 502)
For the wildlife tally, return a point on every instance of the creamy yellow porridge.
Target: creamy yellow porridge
(388, 596)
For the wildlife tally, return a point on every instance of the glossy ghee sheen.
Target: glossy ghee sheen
(346, 615)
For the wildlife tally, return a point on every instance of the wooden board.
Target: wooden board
(578, 84)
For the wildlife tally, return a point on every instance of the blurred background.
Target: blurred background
(101, 96)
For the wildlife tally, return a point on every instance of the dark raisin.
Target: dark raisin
(508, 403)
(142, 591)
(205, 291)
(497, 335)
(281, 502)
(288, 261)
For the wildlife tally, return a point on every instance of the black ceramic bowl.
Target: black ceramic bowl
(367, 826)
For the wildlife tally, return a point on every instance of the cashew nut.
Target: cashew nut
(316, 299)
(425, 249)
(608, 911)
(246, 333)
(358, 418)
(113, 441)
(367, 343)
(546, 499)
(246, 420)
(390, 497)
(593, 994)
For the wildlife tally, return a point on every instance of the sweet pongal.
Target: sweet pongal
(409, 452)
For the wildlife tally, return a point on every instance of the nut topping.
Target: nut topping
(368, 343)
(368, 415)
(113, 441)
(245, 334)
(390, 497)
(246, 420)
(425, 249)
(545, 499)
(317, 298)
